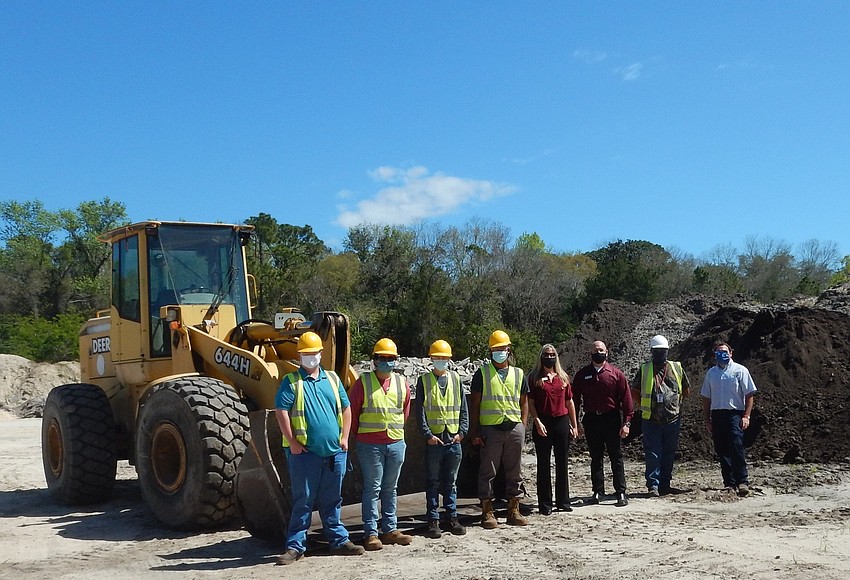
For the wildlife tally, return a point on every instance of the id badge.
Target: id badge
(659, 397)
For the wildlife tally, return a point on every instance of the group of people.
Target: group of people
(317, 418)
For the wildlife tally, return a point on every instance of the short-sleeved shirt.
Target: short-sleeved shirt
(550, 395)
(477, 386)
(728, 388)
(319, 410)
(669, 408)
(357, 396)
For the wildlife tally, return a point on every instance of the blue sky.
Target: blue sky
(687, 124)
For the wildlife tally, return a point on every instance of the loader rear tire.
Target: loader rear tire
(192, 433)
(78, 444)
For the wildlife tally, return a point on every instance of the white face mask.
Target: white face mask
(440, 365)
(311, 361)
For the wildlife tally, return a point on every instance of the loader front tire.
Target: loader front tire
(78, 444)
(192, 433)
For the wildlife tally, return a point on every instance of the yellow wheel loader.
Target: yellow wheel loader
(179, 379)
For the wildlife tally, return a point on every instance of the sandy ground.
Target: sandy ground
(796, 525)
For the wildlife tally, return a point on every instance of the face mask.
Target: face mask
(440, 365)
(311, 361)
(548, 363)
(722, 356)
(385, 366)
(659, 355)
(598, 357)
(500, 356)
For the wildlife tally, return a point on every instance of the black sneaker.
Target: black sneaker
(622, 500)
(433, 530)
(545, 510)
(595, 498)
(289, 557)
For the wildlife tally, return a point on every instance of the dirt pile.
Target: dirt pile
(24, 384)
(796, 351)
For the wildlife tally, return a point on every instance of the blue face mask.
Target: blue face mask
(440, 365)
(385, 366)
(500, 356)
(722, 356)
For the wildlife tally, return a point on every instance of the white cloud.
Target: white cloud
(631, 72)
(589, 56)
(413, 195)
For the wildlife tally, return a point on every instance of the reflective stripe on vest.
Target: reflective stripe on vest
(647, 386)
(382, 411)
(500, 399)
(297, 419)
(442, 410)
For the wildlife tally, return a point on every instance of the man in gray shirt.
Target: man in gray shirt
(727, 401)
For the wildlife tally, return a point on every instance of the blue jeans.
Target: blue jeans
(729, 445)
(442, 463)
(316, 481)
(660, 442)
(380, 465)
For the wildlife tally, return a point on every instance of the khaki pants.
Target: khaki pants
(501, 448)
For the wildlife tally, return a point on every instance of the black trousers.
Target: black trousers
(557, 439)
(603, 434)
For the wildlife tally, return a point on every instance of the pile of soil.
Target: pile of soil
(797, 353)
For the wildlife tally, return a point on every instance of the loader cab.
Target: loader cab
(198, 268)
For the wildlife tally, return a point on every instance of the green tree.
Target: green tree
(630, 271)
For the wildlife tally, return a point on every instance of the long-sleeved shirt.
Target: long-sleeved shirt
(355, 395)
(445, 436)
(603, 391)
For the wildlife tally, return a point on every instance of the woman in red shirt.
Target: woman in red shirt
(553, 417)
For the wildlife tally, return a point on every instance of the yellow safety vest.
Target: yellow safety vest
(297, 420)
(500, 399)
(442, 410)
(382, 411)
(648, 384)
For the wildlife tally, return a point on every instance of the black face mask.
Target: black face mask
(659, 356)
(598, 357)
(548, 363)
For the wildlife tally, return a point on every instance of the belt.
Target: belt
(600, 412)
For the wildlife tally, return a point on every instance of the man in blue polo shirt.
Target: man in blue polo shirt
(314, 415)
(727, 401)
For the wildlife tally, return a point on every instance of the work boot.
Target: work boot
(456, 528)
(488, 518)
(289, 557)
(515, 518)
(347, 549)
(433, 530)
(395, 537)
(743, 490)
(372, 543)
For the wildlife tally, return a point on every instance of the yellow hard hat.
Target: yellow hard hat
(440, 348)
(309, 342)
(385, 346)
(499, 338)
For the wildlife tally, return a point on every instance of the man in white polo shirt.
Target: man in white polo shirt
(727, 401)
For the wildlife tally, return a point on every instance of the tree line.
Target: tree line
(412, 283)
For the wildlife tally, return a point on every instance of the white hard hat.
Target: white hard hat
(658, 341)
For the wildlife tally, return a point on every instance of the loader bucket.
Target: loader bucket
(262, 481)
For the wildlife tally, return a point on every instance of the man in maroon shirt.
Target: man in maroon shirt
(601, 391)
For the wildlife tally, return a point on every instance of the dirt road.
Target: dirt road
(790, 528)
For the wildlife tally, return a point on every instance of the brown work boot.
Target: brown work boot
(395, 537)
(347, 549)
(289, 557)
(488, 518)
(515, 518)
(372, 543)
(433, 530)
